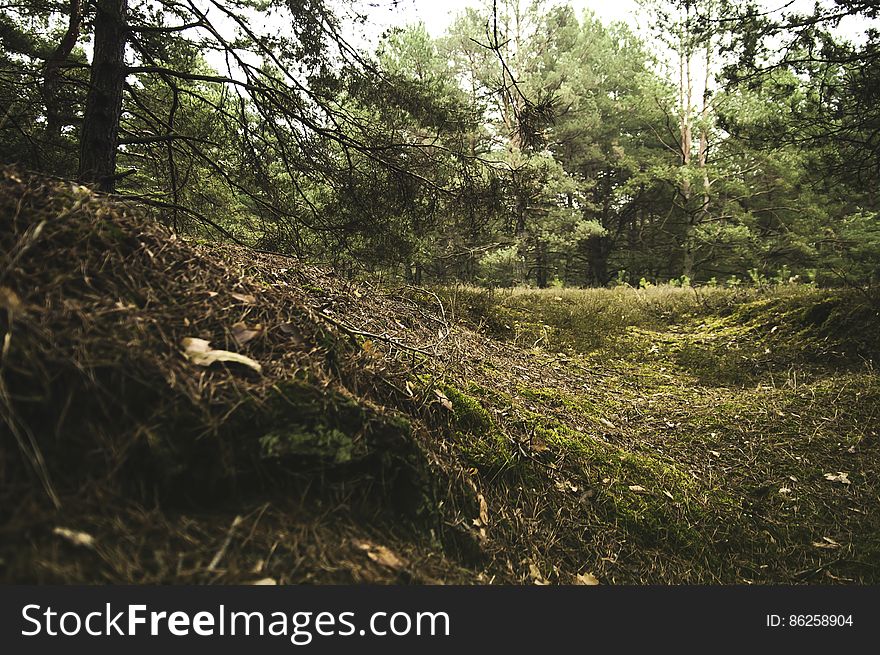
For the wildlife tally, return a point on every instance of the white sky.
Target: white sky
(437, 15)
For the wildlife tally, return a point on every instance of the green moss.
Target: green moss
(314, 441)
(302, 420)
(653, 500)
(560, 399)
(475, 432)
(469, 414)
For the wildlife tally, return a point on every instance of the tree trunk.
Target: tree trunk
(52, 73)
(542, 268)
(597, 251)
(689, 248)
(100, 133)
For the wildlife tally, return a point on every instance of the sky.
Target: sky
(437, 15)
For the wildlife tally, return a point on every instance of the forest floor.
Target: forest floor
(707, 435)
(405, 435)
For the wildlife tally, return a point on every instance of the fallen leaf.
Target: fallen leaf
(586, 579)
(264, 582)
(244, 297)
(536, 576)
(379, 554)
(638, 489)
(840, 476)
(409, 389)
(715, 453)
(443, 399)
(784, 490)
(9, 300)
(75, 537)
(484, 510)
(566, 486)
(242, 333)
(199, 352)
(607, 423)
(827, 542)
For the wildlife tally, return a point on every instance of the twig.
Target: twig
(222, 552)
(355, 332)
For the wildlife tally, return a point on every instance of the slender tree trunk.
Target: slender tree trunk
(52, 73)
(686, 106)
(100, 133)
(699, 216)
(542, 265)
(597, 251)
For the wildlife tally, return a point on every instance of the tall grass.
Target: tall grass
(585, 319)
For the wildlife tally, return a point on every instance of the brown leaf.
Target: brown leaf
(380, 554)
(484, 509)
(536, 575)
(566, 486)
(586, 579)
(638, 489)
(9, 300)
(840, 476)
(264, 582)
(292, 330)
(244, 297)
(242, 333)
(443, 399)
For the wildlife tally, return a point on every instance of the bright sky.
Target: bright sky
(437, 15)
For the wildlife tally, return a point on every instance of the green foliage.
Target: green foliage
(546, 151)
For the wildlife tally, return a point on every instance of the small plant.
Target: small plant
(757, 278)
(784, 276)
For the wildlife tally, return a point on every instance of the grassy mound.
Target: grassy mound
(96, 382)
